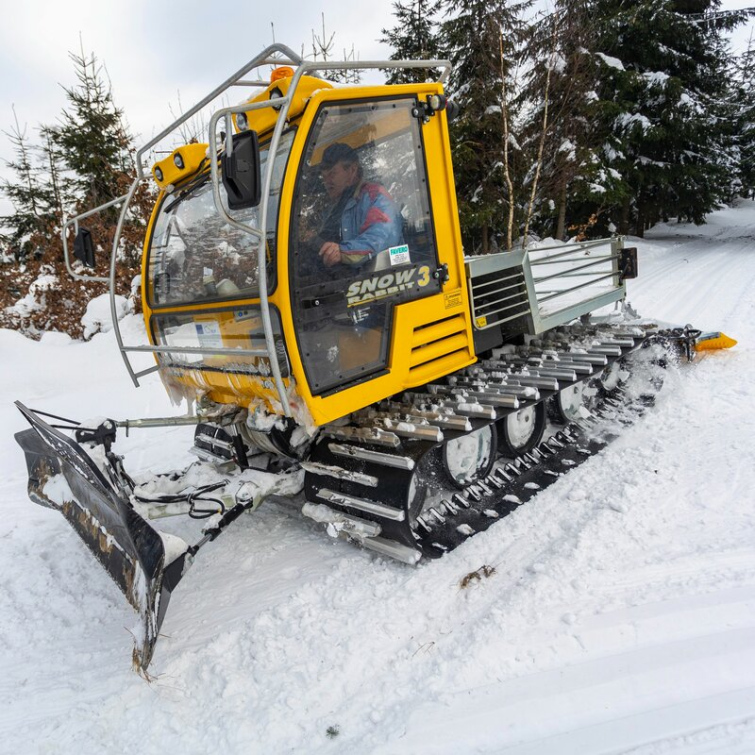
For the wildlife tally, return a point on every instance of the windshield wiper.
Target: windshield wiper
(188, 190)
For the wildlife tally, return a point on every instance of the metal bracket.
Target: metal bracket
(628, 263)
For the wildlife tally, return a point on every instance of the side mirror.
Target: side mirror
(83, 247)
(241, 171)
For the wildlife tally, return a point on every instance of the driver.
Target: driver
(362, 220)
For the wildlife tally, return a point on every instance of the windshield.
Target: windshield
(197, 256)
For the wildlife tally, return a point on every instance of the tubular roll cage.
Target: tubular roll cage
(277, 55)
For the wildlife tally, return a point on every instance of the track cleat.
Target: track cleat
(448, 507)
(423, 524)
(436, 515)
(461, 500)
(545, 450)
(474, 493)
(513, 470)
(503, 475)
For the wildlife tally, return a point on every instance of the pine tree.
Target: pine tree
(414, 37)
(576, 185)
(84, 161)
(92, 138)
(57, 187)
(26, 193)
(322, 49)
(744, 77)
(483, 41)
(663, 107)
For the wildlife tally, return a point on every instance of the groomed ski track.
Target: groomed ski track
(620, 617)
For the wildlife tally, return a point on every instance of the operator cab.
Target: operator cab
(361, 186)
(349, 238)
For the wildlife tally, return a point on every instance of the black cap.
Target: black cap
(337, 152)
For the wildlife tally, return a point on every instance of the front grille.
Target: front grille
(432, 344)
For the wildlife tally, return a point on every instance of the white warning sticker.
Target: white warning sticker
(209, 333)
(399, 254)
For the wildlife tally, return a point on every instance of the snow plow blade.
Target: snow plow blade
(63, 476)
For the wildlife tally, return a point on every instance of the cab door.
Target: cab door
(344, 311)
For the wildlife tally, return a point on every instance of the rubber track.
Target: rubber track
(388, 483)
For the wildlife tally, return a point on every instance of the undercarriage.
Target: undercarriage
(417, 475)
(412, 477)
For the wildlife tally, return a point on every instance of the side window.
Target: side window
(196, 256)
(361, 237)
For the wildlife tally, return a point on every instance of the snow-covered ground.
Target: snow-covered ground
(620, 617)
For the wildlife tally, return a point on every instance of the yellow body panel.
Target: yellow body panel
(263, 120)
(713, 342)
(190, 157)
(430, 338)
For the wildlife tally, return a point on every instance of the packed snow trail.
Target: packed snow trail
(620, 617)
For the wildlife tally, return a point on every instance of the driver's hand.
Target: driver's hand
(330, 253)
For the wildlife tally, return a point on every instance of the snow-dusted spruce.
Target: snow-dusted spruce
(743, 71)
(664, 108)
(84, 159)
(413, 37)
(484, 41)
(575, 178)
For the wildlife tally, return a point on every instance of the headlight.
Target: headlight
(276, 94)
(436, 102)
(178, 160)
(242, 124)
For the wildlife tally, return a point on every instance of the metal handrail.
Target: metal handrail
(571, 244)
(554, 258)
(574, 269)
(575, 288)
(75, 223)
(566, 260)
(217, 351)
(516, 276)
(264, 58)
(492, 312)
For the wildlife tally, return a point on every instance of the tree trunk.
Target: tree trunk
(561, 223)
(624, 222)
(640, 224)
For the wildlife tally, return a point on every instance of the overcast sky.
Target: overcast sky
(152, 51)
(155, 50)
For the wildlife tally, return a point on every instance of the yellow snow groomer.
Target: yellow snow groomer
(305, 288)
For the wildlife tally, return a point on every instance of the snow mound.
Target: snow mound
(35, 300)
(98, 317)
